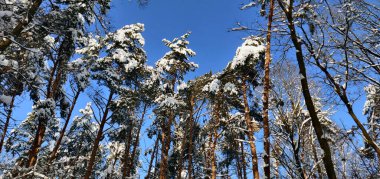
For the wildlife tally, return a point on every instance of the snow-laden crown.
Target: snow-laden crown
(252, 47)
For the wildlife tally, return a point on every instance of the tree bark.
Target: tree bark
(213, 155)
(136, 143)
(166, 140)
(266, 93)
(247, 117)
(9, 115)
(244, 163)
(97, 139)
(155, 149)
(191, 134)
(126, 156)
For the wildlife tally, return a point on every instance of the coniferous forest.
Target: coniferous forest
(300, 98)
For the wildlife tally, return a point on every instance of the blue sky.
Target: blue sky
(208, 21)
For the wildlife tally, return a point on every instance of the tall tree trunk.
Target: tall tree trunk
(238, 164)
(155, 149)
(214, 136)
(97, 139)
(65, 52)
(166, 140)
(244, 163)
(191, 134)
(5, 42)
(62, 132)
(136, 142)
(213, 155)
(126, 156)
(266, 94)
(184, 141)
(329, 165)
(9, 115)
(251, 139)
(182, 154)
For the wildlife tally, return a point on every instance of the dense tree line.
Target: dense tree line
(270, 113)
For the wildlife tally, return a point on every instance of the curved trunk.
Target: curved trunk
(99, 135)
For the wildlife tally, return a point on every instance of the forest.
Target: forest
(300, 97)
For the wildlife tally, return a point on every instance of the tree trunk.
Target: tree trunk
(62, 132)
(266, 94)
(184, 141)
(238, 164)
(97, 139)
(191, 133)
(126, 156)
(5, 42)
(244, 163)
(182, 154)
(152, 158)
(213, 155)
(166, 140)
(247, 117)
(329, 165)
(9, 115)
(136, 143)
(64, 53)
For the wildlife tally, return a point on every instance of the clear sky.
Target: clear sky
(208, 20)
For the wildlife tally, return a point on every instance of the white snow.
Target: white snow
(230, 87)
(252, 46)
(120, 55)
(49, 40)
(212, 87)
(6, 99)
(169, 102)
(182, 86)
(131, 65)
(8, 63)
(249, 5)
